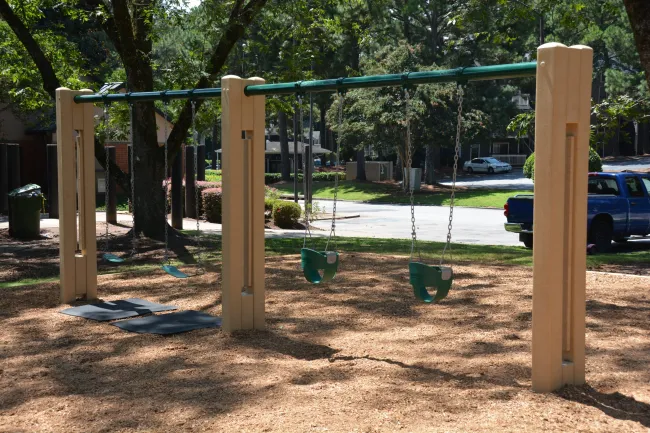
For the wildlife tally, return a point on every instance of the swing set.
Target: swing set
(564, 77)
(166, 264)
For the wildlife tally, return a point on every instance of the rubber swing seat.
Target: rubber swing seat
(174, 271)
(314, 262)
(422, 276)
(112, 258)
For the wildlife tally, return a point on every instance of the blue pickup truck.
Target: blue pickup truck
(618, 208)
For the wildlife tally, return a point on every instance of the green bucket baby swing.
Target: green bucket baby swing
(422, 275)
(320, 266)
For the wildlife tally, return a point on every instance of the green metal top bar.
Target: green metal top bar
(477, 73)
(515, 70)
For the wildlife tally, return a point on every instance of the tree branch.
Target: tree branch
(240, 19)
(108, 23)
(50, 80)
(638, 12)
(124, 33)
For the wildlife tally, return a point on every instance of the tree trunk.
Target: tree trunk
(429, 169)
(361, 164)
(616, 150)
(149, 167)
(399, 168)
(284, 147)
(638, 12)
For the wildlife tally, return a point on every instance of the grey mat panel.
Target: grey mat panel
(172, 323)
(115, 310)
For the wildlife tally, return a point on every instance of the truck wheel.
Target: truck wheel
(601, 235)
(527, 239)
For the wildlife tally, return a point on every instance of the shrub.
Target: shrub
(595, 164)
(286, 214)
(212, 203)
(270, 178)
(529, 166)
(269, 203)
(200, 185)
(271, 192)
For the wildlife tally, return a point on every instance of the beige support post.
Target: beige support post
(243, 120)
(562, 116)
(76, 179)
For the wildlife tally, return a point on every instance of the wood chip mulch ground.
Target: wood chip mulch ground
(359, 354)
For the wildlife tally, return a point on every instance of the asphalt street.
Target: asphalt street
(470, 225)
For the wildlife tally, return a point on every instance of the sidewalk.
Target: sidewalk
(124, 225)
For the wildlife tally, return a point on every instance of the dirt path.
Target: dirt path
(356, 355)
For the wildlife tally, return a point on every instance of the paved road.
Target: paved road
(642, 163)
(514, 180)
(471, 226)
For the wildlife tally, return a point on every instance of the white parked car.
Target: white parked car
(486, 165)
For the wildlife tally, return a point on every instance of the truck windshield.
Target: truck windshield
(603, 186)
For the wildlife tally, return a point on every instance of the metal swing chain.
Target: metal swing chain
(196, 189)
(107, 175)
(304, 176)
(409, 162)
(336, 177)
(134, 240)
(453, 181)
(166, 183)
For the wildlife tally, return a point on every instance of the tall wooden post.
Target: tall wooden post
(243, 121)
(560, 215)
(75, 138)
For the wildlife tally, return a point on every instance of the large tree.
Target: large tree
(639, 13)
(129, 25)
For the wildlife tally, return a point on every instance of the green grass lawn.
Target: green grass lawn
(122, 202)
(629, 256)
(369, 192)
(212, 175)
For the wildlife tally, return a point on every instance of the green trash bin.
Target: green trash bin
(25, 204)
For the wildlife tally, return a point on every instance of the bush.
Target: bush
(529, 166)
(286, 214)
(212, 203)
(269, 203)
(271, 192)
(200, 185)
(595, 164)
